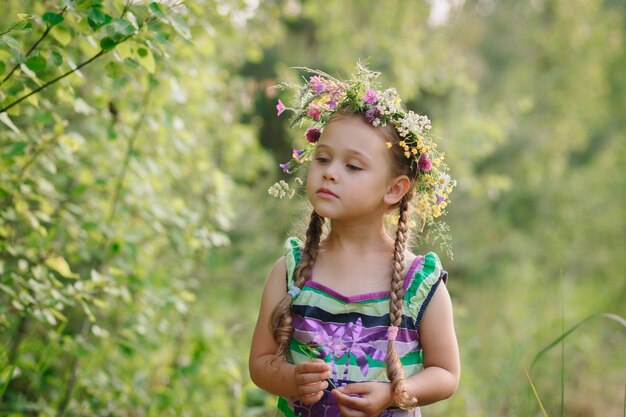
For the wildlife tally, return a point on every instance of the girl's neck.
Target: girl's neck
(360, 238)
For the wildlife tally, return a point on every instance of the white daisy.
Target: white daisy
(443, 181)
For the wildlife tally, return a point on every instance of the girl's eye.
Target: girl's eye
(321, 160)
(353, 167)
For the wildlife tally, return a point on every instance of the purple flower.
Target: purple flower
(314, 112)
(313, 134)
(424, 163)
(297, 153)
(332, 103)
(440, 199)
(285, 168)
(371, 97)
(372, 114)
(280, 107)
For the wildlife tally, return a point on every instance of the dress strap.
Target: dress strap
(424, 285)
(293, 247)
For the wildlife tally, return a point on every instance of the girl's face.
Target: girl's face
(350, 176)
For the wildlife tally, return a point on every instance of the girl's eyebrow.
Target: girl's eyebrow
(351, 151)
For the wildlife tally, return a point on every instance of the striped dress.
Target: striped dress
(350, 333)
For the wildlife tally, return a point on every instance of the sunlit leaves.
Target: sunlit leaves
(36, 63)
(52, 19)
(97, 18)
(62, 35)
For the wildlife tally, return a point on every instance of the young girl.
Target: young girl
(352, 323)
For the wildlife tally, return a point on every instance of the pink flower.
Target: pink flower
(371, 97)
(313, 134)
(314, 112)
(280, 107)
(424, 163)
(317, 83)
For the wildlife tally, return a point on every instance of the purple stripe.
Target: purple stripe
(347, 299)
(418, 261)
(367, 334)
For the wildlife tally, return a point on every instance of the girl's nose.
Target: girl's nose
(329, 173)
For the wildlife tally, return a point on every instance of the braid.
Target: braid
(280, 321)
(395, 372)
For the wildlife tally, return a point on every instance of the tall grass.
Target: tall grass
(560, 341)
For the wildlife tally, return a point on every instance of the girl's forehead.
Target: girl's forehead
(353, 132)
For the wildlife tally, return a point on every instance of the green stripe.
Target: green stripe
(326, 295)
(283, 407)
(431, 262)
(295, 249)
(310, 296)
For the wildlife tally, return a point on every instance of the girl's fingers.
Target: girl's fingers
(313, 366)
(311, 389)
(346, 400)
(309, 378)
(311, 399)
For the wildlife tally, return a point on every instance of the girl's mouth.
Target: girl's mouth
(325, 192)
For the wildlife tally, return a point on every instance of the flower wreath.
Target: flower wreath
(322, 95)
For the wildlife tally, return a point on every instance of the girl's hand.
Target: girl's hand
(371, 399)
(311, 380)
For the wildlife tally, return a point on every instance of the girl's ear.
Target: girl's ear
(398, 187)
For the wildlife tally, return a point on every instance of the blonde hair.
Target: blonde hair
(281, 320)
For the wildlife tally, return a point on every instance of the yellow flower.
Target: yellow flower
(402, 143)
(389, 144)
(414, 151)
(407, 154)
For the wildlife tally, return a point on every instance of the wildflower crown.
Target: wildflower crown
(322, 95)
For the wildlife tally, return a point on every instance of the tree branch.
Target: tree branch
(60, 77)
(32, 48)
(84, 332)
(93, 58)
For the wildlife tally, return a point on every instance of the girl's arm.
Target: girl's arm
(305, 380)
(442, 368)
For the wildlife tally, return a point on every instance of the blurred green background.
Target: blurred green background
(138, 141)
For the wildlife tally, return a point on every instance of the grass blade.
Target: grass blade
(556, 341)
(543, 410)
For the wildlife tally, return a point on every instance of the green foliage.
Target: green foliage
(136, 143)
